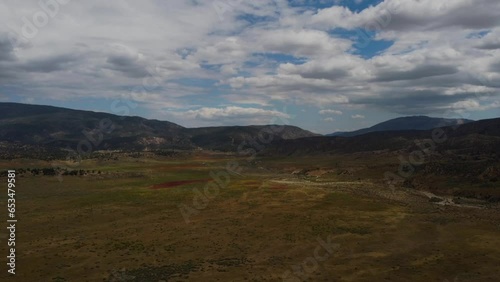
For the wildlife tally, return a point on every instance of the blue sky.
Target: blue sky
(325, 66)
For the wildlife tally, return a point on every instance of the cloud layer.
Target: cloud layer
(223, 62)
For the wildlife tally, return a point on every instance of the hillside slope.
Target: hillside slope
(54, 127)
(405, 123)
(480, 136)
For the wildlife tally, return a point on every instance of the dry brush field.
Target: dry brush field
(189, 219)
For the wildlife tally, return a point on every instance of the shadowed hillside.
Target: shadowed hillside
(475, 137)
(52, 127)
(405, 123)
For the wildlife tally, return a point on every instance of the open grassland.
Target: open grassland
(269, 220)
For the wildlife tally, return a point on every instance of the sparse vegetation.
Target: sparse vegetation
(113, 226)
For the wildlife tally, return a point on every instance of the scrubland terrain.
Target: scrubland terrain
(208, 216)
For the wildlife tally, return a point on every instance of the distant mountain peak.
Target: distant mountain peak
(405, 123)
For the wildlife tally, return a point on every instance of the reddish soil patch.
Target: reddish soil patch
(178, 183)
(180, 166)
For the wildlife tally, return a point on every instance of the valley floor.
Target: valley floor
(214, 217)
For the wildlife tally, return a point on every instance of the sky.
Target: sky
(325, 65)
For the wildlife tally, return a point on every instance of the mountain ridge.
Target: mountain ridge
(56, 126)
(40, 128)
(404, 123)
(478, 137)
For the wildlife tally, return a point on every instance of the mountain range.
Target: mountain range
(405, 123)
(40, 128)
(60, 127)
(473, 138)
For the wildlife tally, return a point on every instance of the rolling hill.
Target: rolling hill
(479, 137)
(41, 128)
(405, 123)
(55, 127)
